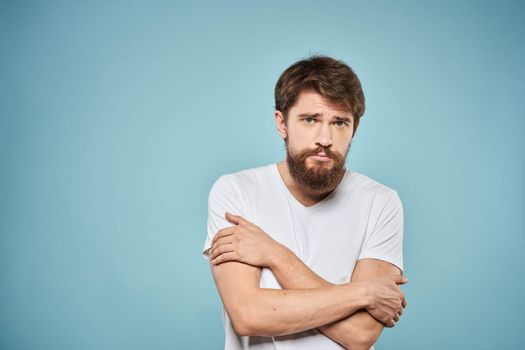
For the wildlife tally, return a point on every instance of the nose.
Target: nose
(324, 138)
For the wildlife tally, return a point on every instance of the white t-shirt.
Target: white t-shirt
(360, 219)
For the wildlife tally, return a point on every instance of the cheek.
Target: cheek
(297, 140)
(343, 144)
(298, 146)
(303, 138)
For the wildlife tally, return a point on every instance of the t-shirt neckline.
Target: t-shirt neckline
(301, 205)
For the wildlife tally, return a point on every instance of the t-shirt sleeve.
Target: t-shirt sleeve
(385, 240)
(224, 196)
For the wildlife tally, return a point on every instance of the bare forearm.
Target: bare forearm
(292, 273)
(271, 312)
(280, 312)
(355, 330)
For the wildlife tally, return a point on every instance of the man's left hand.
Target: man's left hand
(245, 242)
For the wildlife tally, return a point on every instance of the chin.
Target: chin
(320, 164)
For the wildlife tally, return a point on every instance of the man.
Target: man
(305, 253)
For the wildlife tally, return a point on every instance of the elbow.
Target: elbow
(249, 321)
(360, 346)
(242, 328)
(243, 322)
(364, 340)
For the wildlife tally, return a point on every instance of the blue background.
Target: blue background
(117, 117)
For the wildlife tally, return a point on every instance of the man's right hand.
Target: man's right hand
(387, 301)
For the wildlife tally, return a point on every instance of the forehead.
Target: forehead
(309, 101)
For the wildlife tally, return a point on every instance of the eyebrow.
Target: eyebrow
(315, 115)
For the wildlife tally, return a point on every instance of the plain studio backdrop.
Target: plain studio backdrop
(116, 117)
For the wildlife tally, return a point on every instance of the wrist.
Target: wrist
(362, 293)
(278, 256)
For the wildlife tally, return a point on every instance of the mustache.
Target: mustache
(320, 149)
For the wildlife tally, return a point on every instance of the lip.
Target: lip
(323, 158)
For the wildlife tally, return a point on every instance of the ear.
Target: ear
(281, 124)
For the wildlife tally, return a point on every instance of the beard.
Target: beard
(322, 176)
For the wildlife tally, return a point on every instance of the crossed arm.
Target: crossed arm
(274, 312)
(357, 331)
(348, 313)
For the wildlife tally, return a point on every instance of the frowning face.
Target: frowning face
(317, 136)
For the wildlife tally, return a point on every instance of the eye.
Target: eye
(341, 123)
(309, 120)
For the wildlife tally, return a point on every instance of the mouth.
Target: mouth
(321, 157)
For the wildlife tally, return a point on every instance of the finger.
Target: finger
(230, 256)
(222, 240)
(390, 323)
(399, 279)
(219, 242)
(220, 249)
(231, 218)
(404, 302)
(396, 317)
(223, 233)
(236, 219)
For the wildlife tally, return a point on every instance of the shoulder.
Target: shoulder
(242, 181)
(379, 192)
(237, 190)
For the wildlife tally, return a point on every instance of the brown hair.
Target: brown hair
(331, 78)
